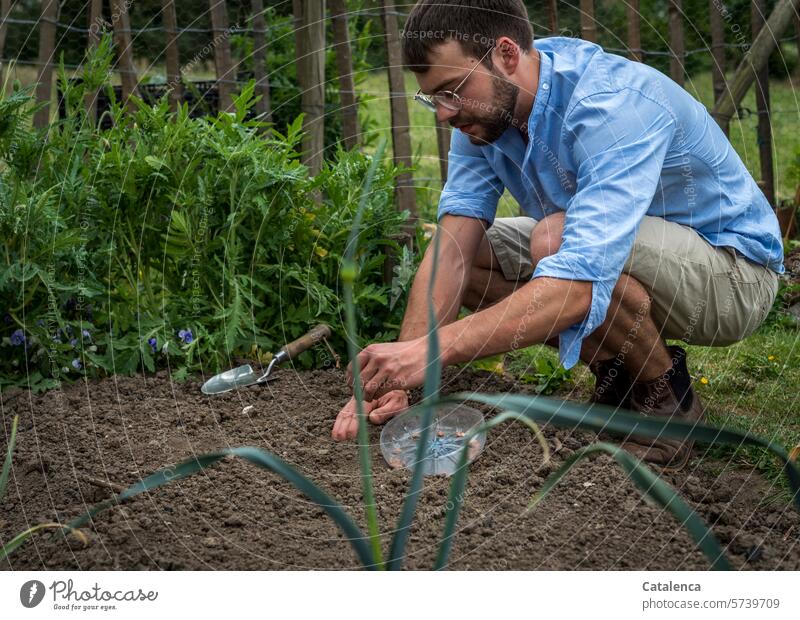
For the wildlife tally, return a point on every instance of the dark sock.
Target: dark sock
(679, 378)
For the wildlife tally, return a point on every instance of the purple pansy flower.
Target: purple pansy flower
(153, 344)
(186, 335)
(17, 338)
(76, 364)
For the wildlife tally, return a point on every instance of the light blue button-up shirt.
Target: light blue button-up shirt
(611, 141)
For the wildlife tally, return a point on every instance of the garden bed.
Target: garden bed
(238, 517)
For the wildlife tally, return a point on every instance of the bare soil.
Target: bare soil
(238, 517)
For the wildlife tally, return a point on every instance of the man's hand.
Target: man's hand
(378, 411)
(391, 366)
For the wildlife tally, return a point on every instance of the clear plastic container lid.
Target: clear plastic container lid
(450, 425)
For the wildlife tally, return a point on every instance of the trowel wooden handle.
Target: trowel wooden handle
(305, 342)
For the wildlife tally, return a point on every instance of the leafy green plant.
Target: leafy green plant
(548, 376)
(761, 366)
(167, 238)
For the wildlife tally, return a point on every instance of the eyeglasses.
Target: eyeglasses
(447, 98)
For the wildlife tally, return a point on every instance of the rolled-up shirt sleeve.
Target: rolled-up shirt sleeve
(473, 189)
(619, 142)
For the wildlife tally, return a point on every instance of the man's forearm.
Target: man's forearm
(459, 240)
(448, 291)
(530, 315)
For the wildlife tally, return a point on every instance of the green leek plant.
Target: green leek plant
(529, 410)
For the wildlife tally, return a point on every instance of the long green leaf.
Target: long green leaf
(653, 487)
(458, 484)
(597, 418)
(9, 454)
(20, 538)
(433, 377)
(600, 418)
(257, 457)
(349, 273)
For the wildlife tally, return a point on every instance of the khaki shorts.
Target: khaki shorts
(701, 294)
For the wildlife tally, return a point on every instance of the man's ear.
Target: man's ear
(507, 55)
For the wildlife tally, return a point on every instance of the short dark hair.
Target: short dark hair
(474, 24)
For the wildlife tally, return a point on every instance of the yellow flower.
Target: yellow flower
(770, 357)
(703, 380)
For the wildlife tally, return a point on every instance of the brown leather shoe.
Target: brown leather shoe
(612, 383)
(670, 396)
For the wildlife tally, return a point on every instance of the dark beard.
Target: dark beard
(503, 103)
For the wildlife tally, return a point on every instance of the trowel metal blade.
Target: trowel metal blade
(230, 379)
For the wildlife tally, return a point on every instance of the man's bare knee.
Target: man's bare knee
(546, 236)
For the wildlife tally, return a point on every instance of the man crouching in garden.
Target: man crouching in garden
(641, 221)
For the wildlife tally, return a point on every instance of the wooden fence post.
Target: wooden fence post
(44, 78)
(5, 11)
(226, 74)
(717, 54)
(443, 144)
(552, 14)
(121, 23)
(676, 41)
(344, 66)
(309, 29)
(755, 58)
(634, 31)
(95, 23)
(757, 19)
(401, 138)
(797, 31)
(588, 25)
(263, 105)
(172, 60)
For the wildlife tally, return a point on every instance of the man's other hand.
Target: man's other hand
(378, 412)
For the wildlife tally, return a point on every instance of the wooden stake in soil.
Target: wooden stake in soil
(401, 138)
(344, 66)
(634, 31)
(588, 25)
(757, 19)
(122, 38)
(676, 41)
(226, 73)
(309, 32)
(755, 59)
(44, 79)
(174, 85)
(263, 105)
(717, 54)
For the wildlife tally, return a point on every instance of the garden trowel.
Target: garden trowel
(245, 375)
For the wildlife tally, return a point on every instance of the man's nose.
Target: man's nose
(444, 114)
